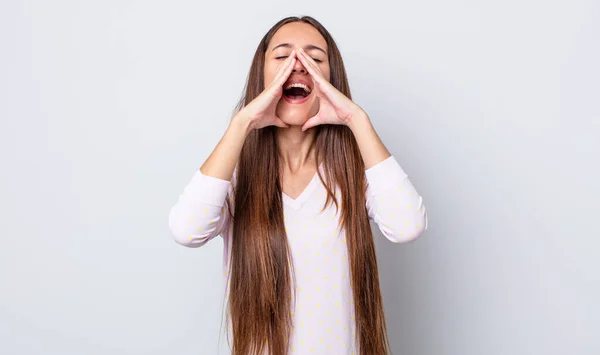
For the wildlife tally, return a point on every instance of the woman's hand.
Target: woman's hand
(260, 112)
(334, 107)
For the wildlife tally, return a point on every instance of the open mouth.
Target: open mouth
(296, 91)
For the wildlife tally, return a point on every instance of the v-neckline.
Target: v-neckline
(298, 201)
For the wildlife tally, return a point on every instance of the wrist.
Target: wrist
(243, 123)
(358, 121)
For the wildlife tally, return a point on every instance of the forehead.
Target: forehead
(297, 34)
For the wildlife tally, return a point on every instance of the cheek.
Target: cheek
(326, 73)
(268, 75)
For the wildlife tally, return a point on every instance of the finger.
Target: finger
(315, 72)
(325, 88)
(281, 68)
(311, 60)
(285, 70)
(310, 64)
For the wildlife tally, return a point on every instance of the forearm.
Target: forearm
(223, 159)
(371, 147)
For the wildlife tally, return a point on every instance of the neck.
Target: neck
(295, 148)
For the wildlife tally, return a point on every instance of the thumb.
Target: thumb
(312, 122)
(279, 123)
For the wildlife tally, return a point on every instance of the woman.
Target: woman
(291, 188)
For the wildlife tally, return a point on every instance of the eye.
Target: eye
(285, 56)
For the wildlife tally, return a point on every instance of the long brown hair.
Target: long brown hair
(261, 268)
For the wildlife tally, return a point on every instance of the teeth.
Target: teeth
(298, 85)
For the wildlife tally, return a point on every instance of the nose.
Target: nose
(298, 67)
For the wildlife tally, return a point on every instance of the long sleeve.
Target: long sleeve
(201, 212)
(393, 203)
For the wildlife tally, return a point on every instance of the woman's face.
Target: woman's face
(296, 106)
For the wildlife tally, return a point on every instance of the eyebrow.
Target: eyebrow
(308, 47)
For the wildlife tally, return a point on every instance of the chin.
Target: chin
(294, 117)
(296, 114)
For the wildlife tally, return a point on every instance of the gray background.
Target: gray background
(108, 107)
